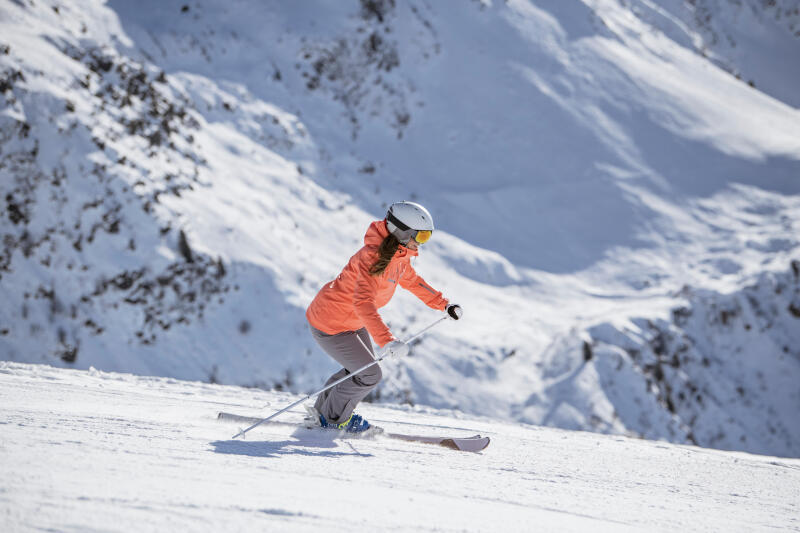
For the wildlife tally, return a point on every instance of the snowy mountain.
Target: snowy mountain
(90, 450)
(615, 184)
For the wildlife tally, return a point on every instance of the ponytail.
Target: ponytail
(386, 251)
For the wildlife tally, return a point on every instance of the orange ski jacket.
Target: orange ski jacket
(351, 301)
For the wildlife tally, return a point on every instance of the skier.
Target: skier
(346, 309)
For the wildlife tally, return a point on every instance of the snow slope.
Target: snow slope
(178, 181)
(753, 39)
(90, 450)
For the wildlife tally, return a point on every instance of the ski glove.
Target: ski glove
(454, 311)
(395, 349)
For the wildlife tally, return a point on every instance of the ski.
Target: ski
(474, 443)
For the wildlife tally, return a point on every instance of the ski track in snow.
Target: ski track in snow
(89, 450)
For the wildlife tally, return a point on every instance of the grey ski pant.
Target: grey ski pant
(337, 404)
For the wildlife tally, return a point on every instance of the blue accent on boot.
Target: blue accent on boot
(356, 424)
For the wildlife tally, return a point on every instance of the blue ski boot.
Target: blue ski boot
(356, 424)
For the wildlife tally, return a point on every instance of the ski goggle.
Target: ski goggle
(423, 236)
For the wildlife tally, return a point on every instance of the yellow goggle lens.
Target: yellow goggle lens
(423, 236)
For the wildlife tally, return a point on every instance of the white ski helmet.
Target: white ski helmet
(409, 220)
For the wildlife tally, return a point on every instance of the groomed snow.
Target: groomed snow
(97, 451)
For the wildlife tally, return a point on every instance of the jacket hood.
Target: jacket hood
(377, 232)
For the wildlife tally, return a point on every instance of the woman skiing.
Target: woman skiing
(346, 309)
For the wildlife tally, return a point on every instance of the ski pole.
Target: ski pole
(345, 378)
